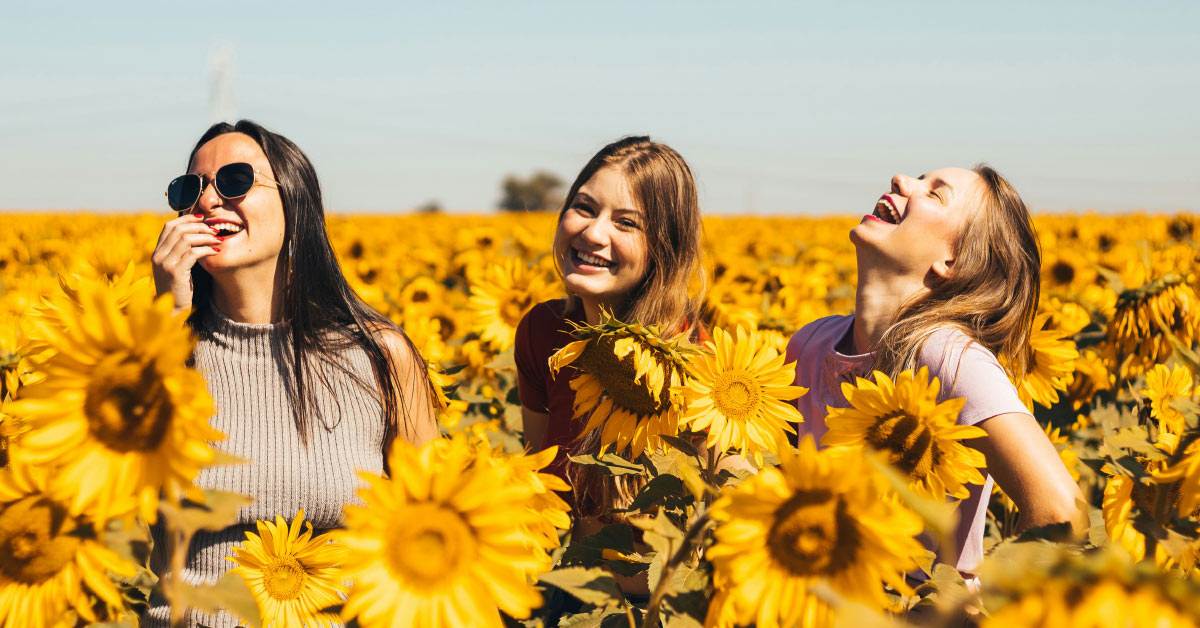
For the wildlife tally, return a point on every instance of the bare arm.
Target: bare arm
(534, 430)
(1028, 469)
(418, 419)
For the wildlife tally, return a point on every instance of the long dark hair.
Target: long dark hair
(322, 311)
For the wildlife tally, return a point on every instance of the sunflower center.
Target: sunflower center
(736, 394)
(813, 535)
(616, 377)
(127, 406)
(431, 545)
(910, 443)
(1144, 496)
(1063, 273)
(33, 545)
(513, 308)
(284, 578)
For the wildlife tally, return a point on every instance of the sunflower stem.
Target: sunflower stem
(629, 613)
(710, 475)
(171, 585)
(660, 591)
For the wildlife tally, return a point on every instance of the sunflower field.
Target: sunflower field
(721, 520)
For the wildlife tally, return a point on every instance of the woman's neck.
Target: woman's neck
(250, 295)
(877, 300)
(591, 311)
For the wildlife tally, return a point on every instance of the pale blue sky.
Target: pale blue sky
(779, 107)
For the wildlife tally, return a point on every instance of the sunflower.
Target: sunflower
(503, 296)
(1183, 475)
(124, 288)
(1162, 387)
(293, 576)
(1121, 495)
(50, 561)
(545, 500)
(919, 435)
(119, 408)
(629, 378)
(1092, 375)
(1144, 316)
(1097, 590)
(1067, 316)
(1052, 358)
(820, 516)
(455, 538)
(737, 392)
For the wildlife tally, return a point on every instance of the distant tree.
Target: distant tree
(432, 206)
(540, 192)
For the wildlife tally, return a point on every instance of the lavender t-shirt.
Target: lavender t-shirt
(966, 369)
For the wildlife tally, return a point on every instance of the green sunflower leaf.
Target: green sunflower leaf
(591, 585)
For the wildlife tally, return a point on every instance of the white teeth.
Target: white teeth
(884, 210)
(227, 226)
(592, 259)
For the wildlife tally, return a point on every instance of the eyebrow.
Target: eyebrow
(620, 210)
(938, 182)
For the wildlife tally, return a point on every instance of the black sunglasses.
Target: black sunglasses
(231, 181)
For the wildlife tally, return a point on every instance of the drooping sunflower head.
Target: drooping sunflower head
(50, 560)
(627, 378)
(820, 516)
(457, 535)
(119, 408)
(1145, 319)
(737, 394)
(920, 436)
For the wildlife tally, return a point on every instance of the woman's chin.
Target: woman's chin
(590, 288)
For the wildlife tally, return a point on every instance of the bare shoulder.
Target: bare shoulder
(398, 347)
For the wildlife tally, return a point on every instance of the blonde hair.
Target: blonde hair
(992, 293)
(671, 292)
(661, 182)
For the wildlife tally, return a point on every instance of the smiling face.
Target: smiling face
(914, 227)
(600, 244)
(252, 227)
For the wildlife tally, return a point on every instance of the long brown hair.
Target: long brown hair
(662, 186)
(992, 293)
(672, 290)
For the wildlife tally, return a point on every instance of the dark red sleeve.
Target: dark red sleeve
(535, 343)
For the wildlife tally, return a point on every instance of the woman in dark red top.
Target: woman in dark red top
(628, 240)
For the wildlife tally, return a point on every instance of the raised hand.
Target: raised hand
(181, 244)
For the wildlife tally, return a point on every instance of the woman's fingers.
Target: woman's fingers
(183, 241)
(186, 222)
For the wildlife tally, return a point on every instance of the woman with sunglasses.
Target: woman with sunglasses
(310, 384)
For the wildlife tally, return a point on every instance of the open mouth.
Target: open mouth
(583, 258)
(886, 211)
(226, 230)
